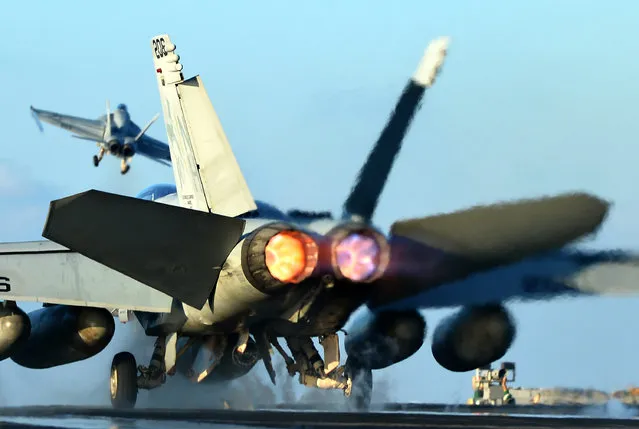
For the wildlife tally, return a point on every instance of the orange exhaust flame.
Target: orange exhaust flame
(291, 256)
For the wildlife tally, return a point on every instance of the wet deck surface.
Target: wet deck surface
(106, 418)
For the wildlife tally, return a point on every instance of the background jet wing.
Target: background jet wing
(558, 274)
(154, 150)
(429, 251)
(92, 129)
(43, 271)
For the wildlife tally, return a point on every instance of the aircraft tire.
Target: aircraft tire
(362, 390)
(124, 381)
(96, 161)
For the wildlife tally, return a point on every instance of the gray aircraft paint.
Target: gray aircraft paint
(113, 127)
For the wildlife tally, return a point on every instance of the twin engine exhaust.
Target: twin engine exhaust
(116, 148)
(278, 254)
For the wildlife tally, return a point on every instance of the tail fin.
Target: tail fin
(207, 175)
(362, 201)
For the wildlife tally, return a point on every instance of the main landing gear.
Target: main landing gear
(125, 382)
(97, 158)
(353, 379)
(127, 378)
(124, 166)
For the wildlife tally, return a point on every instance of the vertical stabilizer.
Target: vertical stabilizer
(362, 201)
(207, 175)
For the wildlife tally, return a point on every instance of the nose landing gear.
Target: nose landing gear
(125, 381)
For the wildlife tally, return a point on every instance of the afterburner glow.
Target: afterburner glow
(357, 256)
(291, 256)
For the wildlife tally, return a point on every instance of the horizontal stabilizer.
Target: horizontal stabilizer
(177, 251)
(499, 233)
(43, 271)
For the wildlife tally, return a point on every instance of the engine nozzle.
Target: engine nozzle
(114, 147)
(128, 150)
(278, 255)
(357, 257)
(359, 254)
(291, 256)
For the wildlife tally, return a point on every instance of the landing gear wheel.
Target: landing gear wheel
(124, 381)
(125, 169)
(362, 389)
(96, 160)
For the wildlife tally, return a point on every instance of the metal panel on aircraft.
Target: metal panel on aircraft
(47, 272)
(227, 192)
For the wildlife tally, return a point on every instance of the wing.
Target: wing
(91, 129)
(435, 250)
(558, 274)
(43, 271)
(154, 150)
(207, 175)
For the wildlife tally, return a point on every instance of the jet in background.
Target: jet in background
(219, 278)
(115, 134)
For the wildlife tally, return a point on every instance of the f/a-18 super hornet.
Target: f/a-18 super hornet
(115, 134)
(219, 279)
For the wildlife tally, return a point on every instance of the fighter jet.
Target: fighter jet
(219, 278)
(115, 133)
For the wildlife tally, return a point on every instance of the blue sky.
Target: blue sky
(535, 98)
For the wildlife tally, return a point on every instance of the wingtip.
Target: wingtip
(34, 113)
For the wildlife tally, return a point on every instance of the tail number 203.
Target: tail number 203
(5, 285)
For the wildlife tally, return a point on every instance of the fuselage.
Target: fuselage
(120, 133)
(119, 138)
(320, 222)
(121, 117)
(307, 309)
